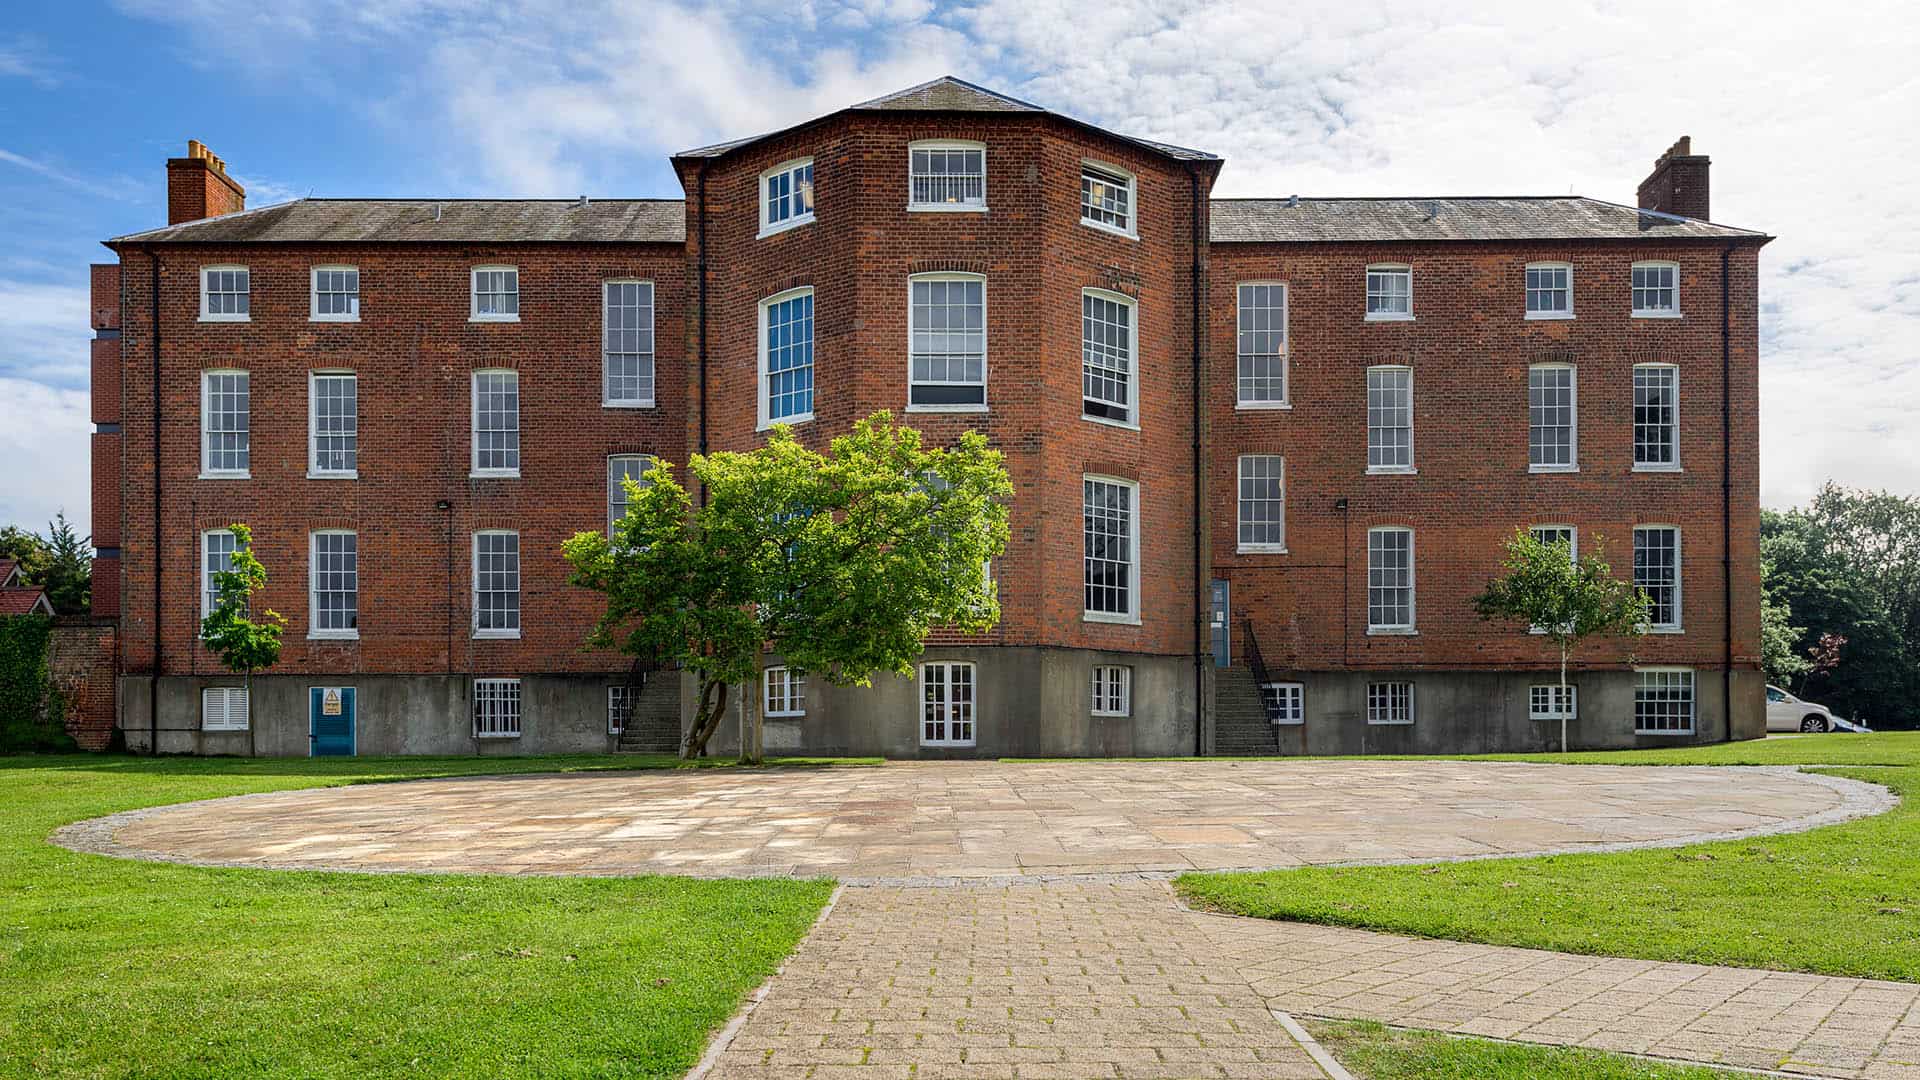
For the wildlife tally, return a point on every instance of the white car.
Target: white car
(1788, 713)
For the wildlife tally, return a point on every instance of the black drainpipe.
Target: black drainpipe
(701, 233)
(153, 680)
(1199, 475)
(1726, 492)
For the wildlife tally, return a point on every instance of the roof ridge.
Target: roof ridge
(216, 217)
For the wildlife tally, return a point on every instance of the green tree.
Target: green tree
(842, 561)
(1779, 638)
(243, 645)
(1567, 599)
(25, 548)
(68, 574)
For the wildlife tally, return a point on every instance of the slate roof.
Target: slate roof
(494, 221)
(24, 600)
(1551, 217)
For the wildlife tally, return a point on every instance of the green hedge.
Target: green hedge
(31, 711)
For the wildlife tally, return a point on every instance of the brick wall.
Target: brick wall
(82, 658)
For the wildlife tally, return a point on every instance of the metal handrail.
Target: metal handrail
(1260, 678)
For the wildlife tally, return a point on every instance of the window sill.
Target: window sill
(946, 745)
(333, 635)
(947, 208)
(498, 735)
(315, 475)
(1392, 631)
(1260, 549)
(1682, 734)
(1656, 314)
(1109, 618)
(224, 730)
(1549, 316)
(496, 635)
(790, 421)
(1287, 723)
(1550, 719)
(1669, 631)
(784, 715)
(642, 403)
(786, 226)
(494, 474)
(1101, 226)
(226, 318)
(1389, 723)
(1539, 470)
(1657, 468)
(1111, 715)
(334, 318)
(946, 408)
(1261, 406)
(493, 318)
(1392, 470)
(226, 474)
(1383, 316)
(1126, 425)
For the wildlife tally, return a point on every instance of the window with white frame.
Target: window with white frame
(1556, 534)
(786, 692)
(334, 571)
(620, 469)
(496, 423)
(335, 294)
(947, 324)
(1390, 580)
(626, 344)
(1262, 331)
(1389, 703)
(1663, 701)
(1549, 291)
(1112, 690)
(786, 358)
(1389, 419)
(1106, 198)
(946, 703)
(1112, 549)
(619, 707)
(1656, 417)
(1263, 502)
(1389, 293)
(226, 407)
(1552, 426)
(496, 294)
(1107, 347)
(223, 708)
(226, 294)
(333, 424)
(496, 708)
(1656, 569)
(1656, 290)
(216, 557)
(1551, 701)
(786, 196)
(496, 584)
(1285, 702)
(947, 176)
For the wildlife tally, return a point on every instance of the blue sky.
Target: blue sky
(1804, 114)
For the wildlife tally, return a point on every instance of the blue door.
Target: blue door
(1222, 625)
(330, 710)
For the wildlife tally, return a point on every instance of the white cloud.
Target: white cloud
(119, 188)
(44, 448)
(43, 331)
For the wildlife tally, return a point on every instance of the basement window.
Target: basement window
(1390, 703)
(1285, 702)
(1112, 690)
(1552, 701)
(223, 708)
(786, 692)
(619, 708)
(496, 708)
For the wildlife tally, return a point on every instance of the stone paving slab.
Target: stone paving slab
(979, 821)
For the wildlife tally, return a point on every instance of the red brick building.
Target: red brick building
(1297, 433)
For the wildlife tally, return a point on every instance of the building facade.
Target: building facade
(1249, 518)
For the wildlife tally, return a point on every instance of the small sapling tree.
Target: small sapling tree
(243, 645)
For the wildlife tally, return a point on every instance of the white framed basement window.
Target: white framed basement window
(226, 294)
(1549, 290)
(496, 584)
(1663, 701)
(947, 175)
(1553, 429)
(1285, 702)
(495, 294)
(1260, 315)
(619, 707)
(947, 703)
(1389, 293)
(496, 708)
(1109, 344)
(334, 294)
(947, 343)
(223, 708)
(626, 344)
(1656, 290)
(785, 693)
(786, 196)
(1389, 703)
(226, 411)
(1262, 503)
(1112, 559)
(1112, 690)
(1551, 701)
(1107, 199)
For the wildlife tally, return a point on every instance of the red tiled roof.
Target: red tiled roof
(7, 567)
(24, 601)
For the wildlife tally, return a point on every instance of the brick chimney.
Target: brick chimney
(198, 186)
(1678, 183)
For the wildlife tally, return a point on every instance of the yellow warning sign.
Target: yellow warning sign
(330, 701)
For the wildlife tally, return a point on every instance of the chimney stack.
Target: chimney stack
(1678, 183)
(198, 186)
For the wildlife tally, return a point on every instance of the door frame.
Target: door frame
(313, 722)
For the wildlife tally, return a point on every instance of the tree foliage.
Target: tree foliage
(31, 709)
(843, 562)
(61, 561)
(243, 644)
(1779, 638)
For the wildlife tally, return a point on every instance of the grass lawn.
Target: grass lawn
(1375, 1052)
(1840, 900)
(114, 968)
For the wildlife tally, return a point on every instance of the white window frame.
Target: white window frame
(607, 400)
(1388, 316)
(791, 221)
(612, 486)
(314, 313)
(790, 700)
(515, 696)
(623, 710)
(1527, 291)
(1413, 594)
(1387, 717)
(1111, 687)
(950, 711)
(947, 207)
(1693, 699)
(985, 349)
(314, 471)
(207, 315)
(1132, 615)
(227, 696)
(474, 314)
(1132, 421)
(495, 633)
(473, 427)
(813, 363)
(1285, 703)
(206, 572)
(1573, 419)
(1285, 400)
(1545, 703)
(1409, 468)
(1573, 549)
(1678, 625)
(1654, 313)
(1132, 185)
(207, 471)
(1673, 426)
(1241, 544)
(314, 631)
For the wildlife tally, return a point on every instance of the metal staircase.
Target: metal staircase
(1242, 721)
(653, 722)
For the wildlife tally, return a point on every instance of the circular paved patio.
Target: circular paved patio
(975, 820)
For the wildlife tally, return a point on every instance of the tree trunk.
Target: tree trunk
(713, 706)
(750, 720)
(1563, 700)
(252, 748)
